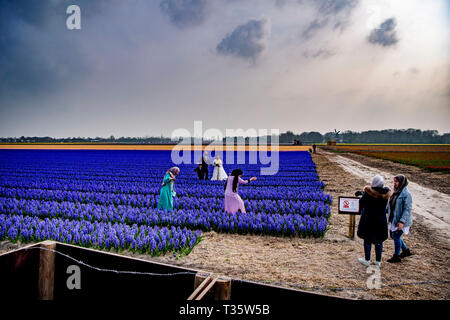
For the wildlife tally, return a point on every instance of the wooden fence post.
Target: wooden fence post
(223, 289)
(46, 270)
(218, 288)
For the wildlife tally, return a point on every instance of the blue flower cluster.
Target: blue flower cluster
(152, 240)
(259, 201)
(108, 199)
(250, 222)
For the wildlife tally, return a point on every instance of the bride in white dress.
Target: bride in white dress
(219, 173)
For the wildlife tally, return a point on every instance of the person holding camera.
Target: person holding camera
(372, 227)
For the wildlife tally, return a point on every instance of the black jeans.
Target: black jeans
(368, 248)
(205, 173)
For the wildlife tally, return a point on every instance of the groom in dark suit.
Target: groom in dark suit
(199, 171)
(205, 162)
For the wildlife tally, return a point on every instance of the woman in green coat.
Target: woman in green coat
(167, 193)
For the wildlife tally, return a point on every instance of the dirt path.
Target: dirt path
(328, 263)
(438, 181)
(433, 206)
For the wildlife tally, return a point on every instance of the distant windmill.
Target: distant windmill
(336, 134)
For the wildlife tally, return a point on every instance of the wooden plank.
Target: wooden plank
(46, 270)
(200, 287)
(220, 290)
(207, 289)
(199, 278)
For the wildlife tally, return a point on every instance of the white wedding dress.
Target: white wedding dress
(219, 173)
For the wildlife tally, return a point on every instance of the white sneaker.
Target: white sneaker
(364, 262)
(377, 264)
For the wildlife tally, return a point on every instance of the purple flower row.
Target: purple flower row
(259, 223)
(152, 199)
(212, 189)
(305, 203)
(152, 240)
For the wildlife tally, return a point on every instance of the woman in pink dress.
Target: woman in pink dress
(233, 202)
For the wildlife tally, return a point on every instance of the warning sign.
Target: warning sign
(349, 205)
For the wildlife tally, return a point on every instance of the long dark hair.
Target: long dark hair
(402, 183)
(235, 173)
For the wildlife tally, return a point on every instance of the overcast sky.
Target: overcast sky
(140, 68)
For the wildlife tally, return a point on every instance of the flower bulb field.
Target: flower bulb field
(107, 199)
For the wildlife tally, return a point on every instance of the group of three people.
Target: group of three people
(377, 203)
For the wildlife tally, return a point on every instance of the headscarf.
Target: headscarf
(402, 183)
(172, 171)
(377, 181)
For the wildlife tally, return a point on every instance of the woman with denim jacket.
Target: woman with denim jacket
(400, 217)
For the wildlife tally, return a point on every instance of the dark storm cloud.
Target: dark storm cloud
(186, 13)
(313, 28)
(282, 3)
(37, 52)
(332, 7)
(40, 13)
(335, 11)
(320, 53)
(341, 25)
(247, 41)
(324, 7)
(385, 35)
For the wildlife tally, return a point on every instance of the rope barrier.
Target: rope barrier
(110, 270)
(307, 288)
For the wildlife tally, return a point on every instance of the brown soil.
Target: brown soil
(327, 263)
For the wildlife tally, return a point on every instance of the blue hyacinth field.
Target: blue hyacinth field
(107, 199)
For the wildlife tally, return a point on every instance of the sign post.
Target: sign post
(351, 227)
(350, 206)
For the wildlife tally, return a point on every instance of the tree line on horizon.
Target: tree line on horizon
(372, 136)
